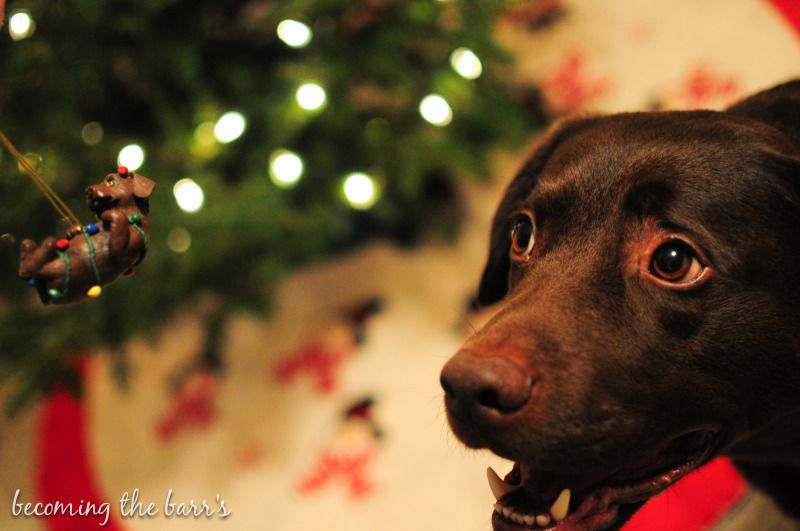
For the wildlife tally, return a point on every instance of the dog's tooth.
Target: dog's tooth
(529, 519)
(560, 507)
(499, 487)
(542, 519)
(506, 511)
(516, 517)
(498, 508)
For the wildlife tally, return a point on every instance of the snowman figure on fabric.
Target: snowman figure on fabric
(348, 458)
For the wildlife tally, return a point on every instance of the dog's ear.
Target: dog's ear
(778, 107)
(142, 186)
(494, 281)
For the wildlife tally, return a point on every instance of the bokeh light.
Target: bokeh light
(229, 127)
(204, 134)
(360, 190)
(285, 168)
(188, 195)
(466, 63)
(435, 110)
(21, 24)
(294, 33)
(179, 240)
(311, 96)
(131, 156)
(92, 133)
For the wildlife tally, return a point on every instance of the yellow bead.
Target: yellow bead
(94, 292)
(74, 231)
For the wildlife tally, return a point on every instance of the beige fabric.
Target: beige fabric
(757, 512)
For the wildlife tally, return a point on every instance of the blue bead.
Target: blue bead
(31, 282)
(92, 229)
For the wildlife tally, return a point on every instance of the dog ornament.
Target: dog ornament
(94, 255)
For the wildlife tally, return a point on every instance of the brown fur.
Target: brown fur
(625, 377)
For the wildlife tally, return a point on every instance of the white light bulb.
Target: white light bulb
(294, 33)
(131, 156)
(466, 63)
(360, 190)
(20, 24)
(311, 96)
(229, 127)
(285, 168)
(188, 195)
(435, 109)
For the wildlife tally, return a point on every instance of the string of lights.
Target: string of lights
(278, 133)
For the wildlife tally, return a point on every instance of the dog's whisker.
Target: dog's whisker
(467, 322)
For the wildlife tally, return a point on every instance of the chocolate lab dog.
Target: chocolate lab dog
(648, 270)
(94, 255)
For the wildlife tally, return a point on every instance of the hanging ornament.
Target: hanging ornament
(91, 256)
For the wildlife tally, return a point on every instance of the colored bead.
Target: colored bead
(62, 245)
(135, 218)
(129, 272)
(91, 229)
(123, 171)
(30, 282)
(94, 291)
(54, 293)
(76, 229)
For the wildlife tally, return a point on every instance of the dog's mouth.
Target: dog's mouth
(98, 202)
(530, 500)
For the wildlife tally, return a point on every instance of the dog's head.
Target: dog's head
(120, 189)
(647, 270)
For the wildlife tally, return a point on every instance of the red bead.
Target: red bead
(123, 171)
(129, 272)
(62, 245)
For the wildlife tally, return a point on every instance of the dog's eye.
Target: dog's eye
(522, 236)
(111, 181)
(676, 262)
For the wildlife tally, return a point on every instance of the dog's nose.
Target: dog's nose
(473, 381)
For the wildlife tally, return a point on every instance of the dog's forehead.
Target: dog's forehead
(605, 162)
(119, 177)
(620, 149)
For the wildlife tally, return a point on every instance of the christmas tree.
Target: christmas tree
(277, 132)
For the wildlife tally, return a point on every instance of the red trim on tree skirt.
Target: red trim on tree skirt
(790, 9)
(694, 503)
(64, 472)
